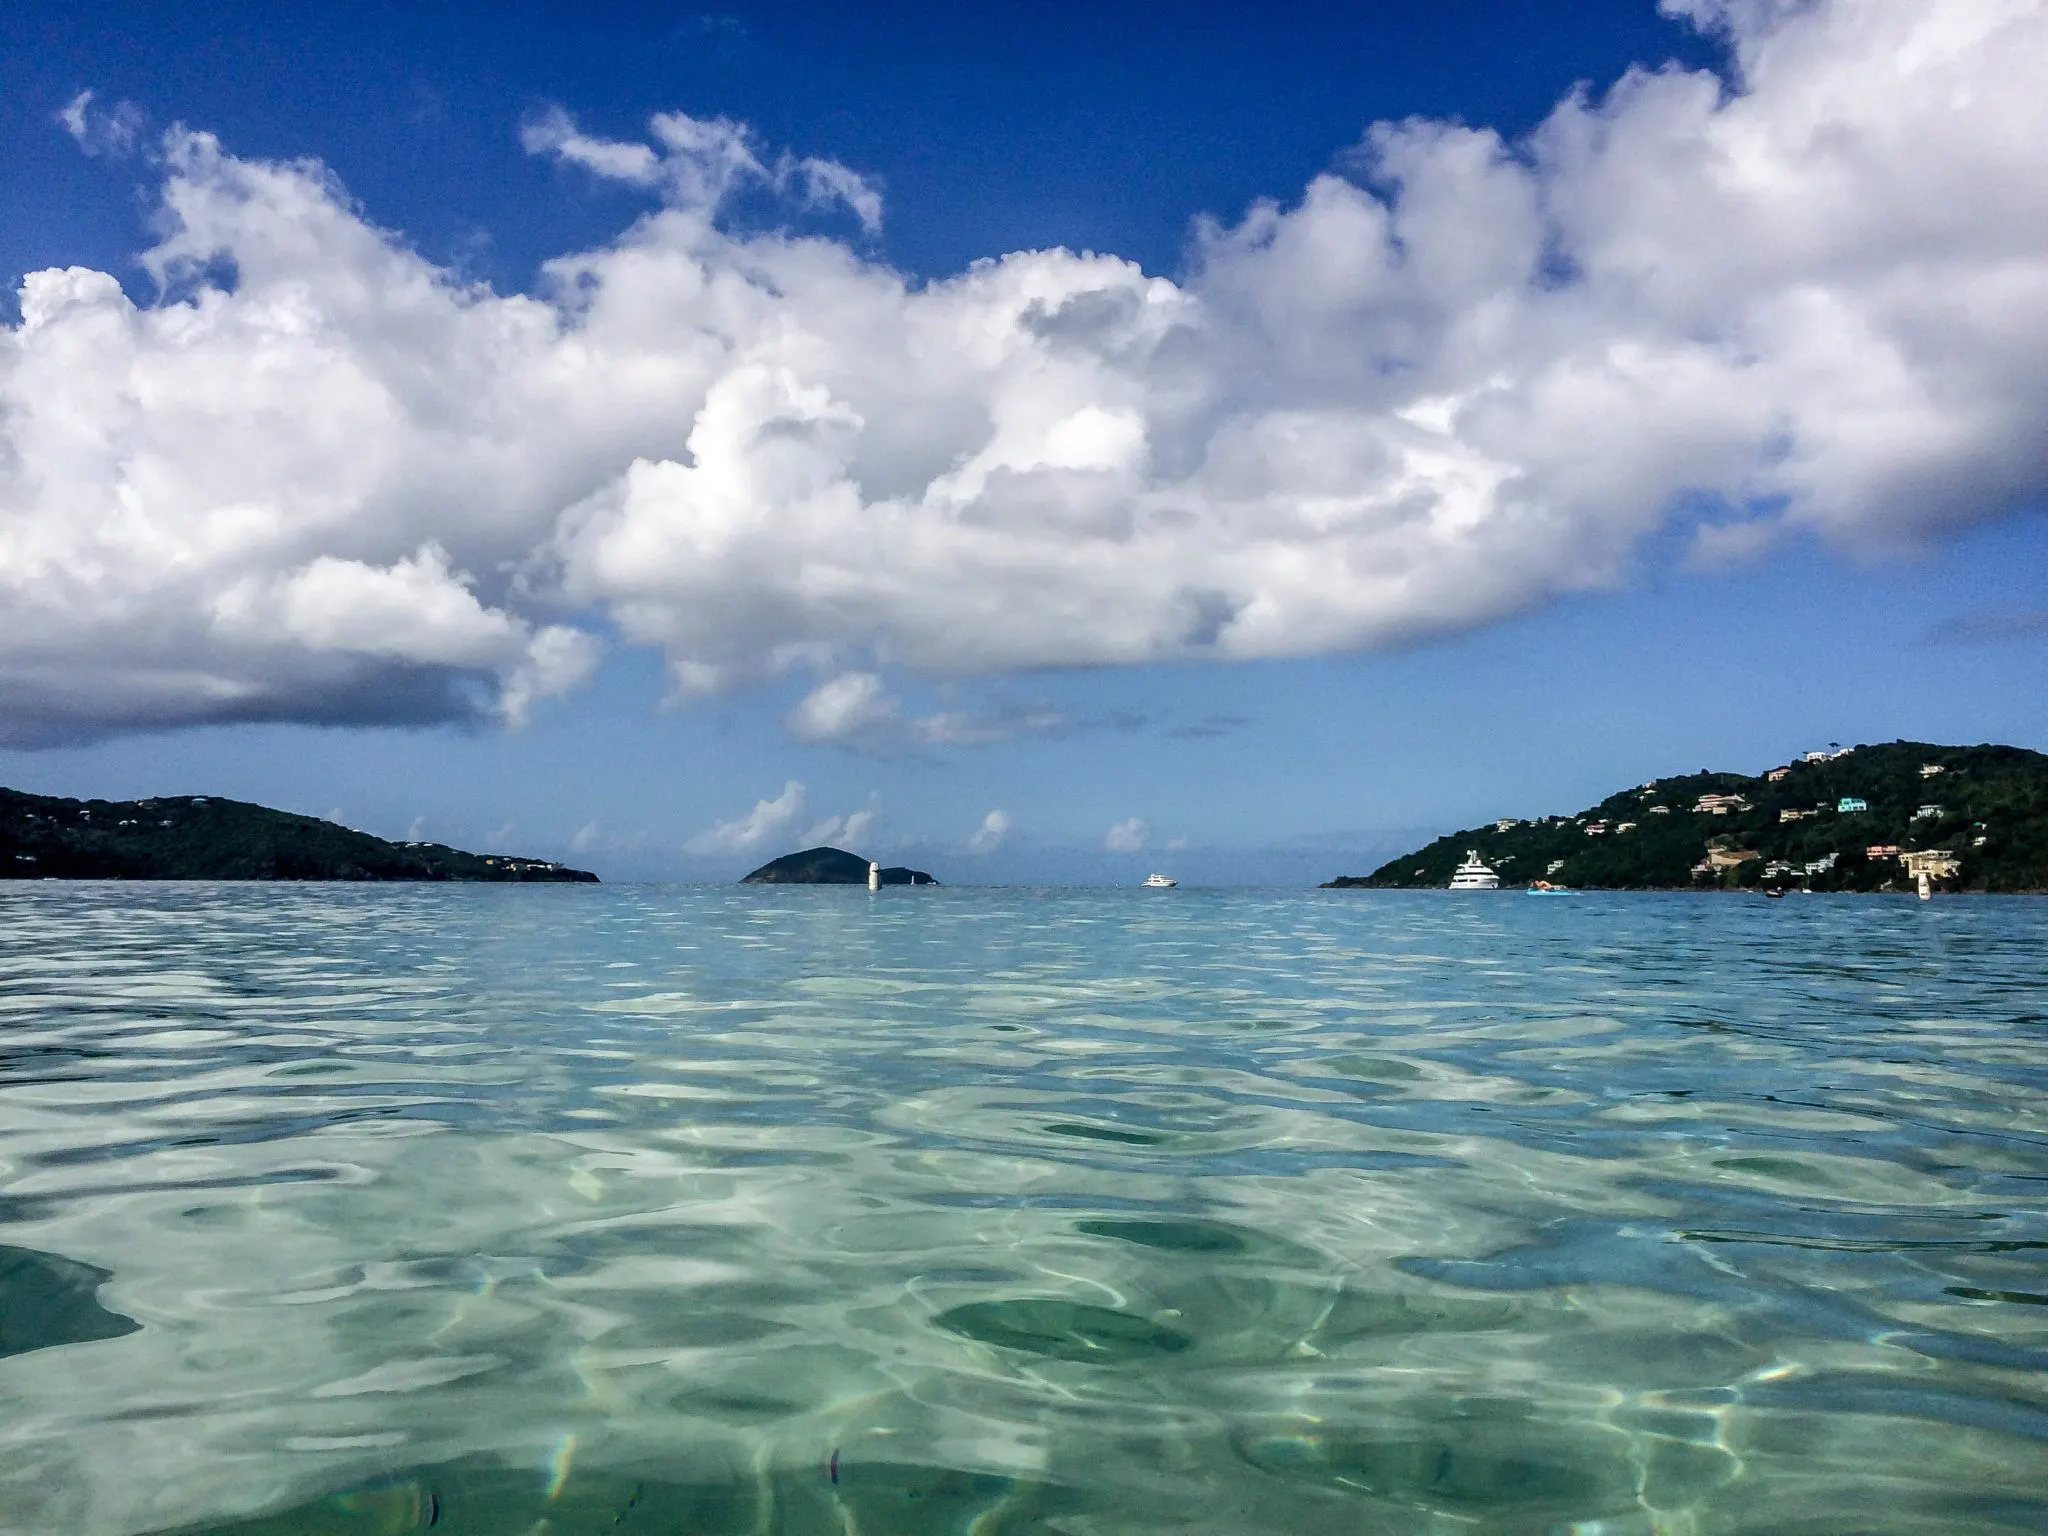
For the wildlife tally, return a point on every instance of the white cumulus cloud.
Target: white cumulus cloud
(317, 477)
(854, 827)
(768, 820)
(853, 706)
(1127, 836)
(993, 832)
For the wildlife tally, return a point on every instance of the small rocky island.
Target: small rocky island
(830, 866)
(202, 837)
(1862, 818)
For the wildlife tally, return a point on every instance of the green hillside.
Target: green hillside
(200, 837)
(1987, 805)
(830, 866)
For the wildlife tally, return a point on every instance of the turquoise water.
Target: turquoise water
(564, 1210)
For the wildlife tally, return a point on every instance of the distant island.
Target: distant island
(1863, 818)
(202, 837)
(830, 866)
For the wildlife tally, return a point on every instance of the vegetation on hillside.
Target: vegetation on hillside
(1988, 806)
(830, 866)
(200, 837)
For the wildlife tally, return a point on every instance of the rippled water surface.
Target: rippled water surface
(350, 1210)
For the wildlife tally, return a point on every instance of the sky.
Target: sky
(1039, 444)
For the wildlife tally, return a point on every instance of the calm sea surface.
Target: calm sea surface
(349, 1210)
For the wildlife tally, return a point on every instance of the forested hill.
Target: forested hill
(200, 837)
(831, 866)
(1986, 805)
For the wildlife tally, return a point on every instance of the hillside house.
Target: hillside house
(1720, 805)
(1882, 851)
(1658, 810)
(1785, 816)
(1930, 770)
(1852, 803)
(1776, 774)
(1926, 811)
(1821, 866)
(1935, 863)
(1504, 823)
(1596, 829)
(1624, 826)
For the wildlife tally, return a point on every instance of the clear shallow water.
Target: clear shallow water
(355, 1210)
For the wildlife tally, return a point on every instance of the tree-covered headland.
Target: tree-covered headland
(1840, 821)
(202, 837)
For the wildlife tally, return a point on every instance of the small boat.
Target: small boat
(1159, 882)
(1545, 888)
(1473, 874)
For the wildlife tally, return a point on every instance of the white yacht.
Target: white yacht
(1160, 882)
(1473, 875)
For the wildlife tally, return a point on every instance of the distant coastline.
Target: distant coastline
(1862, 818)
(203, 837)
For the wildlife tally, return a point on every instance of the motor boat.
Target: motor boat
(1160, 882)
(1473, 874)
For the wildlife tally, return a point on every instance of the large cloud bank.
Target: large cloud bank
(320, 478)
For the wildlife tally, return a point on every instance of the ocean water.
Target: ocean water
(354, 1210)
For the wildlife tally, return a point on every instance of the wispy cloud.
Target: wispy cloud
(1992, 626)
(697, 163)
(855, 710)
(718, 24)
(975, 728)
(1718, 546)
(116, 130)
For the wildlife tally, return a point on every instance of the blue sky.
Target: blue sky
(1362, 485)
